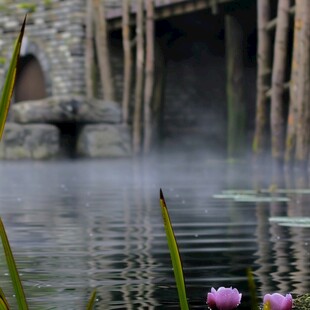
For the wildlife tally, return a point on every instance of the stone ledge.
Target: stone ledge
(36, 141)
(102, 141)
(65, 108)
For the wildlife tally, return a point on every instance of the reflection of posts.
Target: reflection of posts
(298, 207)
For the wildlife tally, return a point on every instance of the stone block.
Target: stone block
(35, 141)
(104, 141)
(66, 108)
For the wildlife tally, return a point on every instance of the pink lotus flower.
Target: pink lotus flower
(224, 298)
(279, 302)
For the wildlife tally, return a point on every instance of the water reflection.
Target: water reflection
(79, 225)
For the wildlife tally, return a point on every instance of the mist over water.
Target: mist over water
(76, 225)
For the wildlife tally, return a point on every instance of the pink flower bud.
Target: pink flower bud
(279, 302)
(224, 298)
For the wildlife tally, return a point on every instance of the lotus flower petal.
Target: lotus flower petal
(279, 302)
(224, 298)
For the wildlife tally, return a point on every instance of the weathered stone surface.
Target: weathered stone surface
(104, 141)
(66, 108)
(36, 141)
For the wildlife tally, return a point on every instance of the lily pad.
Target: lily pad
(291, 221)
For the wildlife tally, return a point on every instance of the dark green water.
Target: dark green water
(79, 225)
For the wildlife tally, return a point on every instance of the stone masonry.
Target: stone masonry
(55, 37)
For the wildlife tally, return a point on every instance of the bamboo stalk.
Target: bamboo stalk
(303, 126)
(103, 50)
(139, 79)
(278, 76)
(234, 85)
(290, 145)
(127, 60)
(149, 76)
(89, 52)
(263, 75)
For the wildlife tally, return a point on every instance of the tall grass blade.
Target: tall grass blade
(91, 301)
(4, 305)
(17, 285)
(174, 254)
(9, 83)
(252, 288)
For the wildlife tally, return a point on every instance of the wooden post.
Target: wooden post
(127, 60)
(137, 119)
(234, 85)
(263, 75)
(290, 145)
(89, 51)
(278, 79)
(303, 103)
(149, 76)
(103, 50)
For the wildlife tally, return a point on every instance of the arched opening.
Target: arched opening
(30, 83)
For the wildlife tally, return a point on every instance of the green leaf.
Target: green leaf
(91, 301)
(252, 289)
(9, 83)
(4, 305)
(17, 285)
(174, 254)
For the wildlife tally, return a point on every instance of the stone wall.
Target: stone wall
(54, 35)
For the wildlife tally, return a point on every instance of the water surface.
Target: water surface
(77, 225)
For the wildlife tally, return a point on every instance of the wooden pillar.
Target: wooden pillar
(290, 146)
(149, 76)
(89, 51)
(278, 79)
(303, 99)
(137, 117)
(234, 85)
(263, 75)
(127, 60)
(103, 50)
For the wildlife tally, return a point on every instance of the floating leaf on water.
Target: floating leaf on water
(261, 199)
(291, 221)
(250, 198)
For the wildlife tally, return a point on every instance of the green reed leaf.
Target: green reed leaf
(17, 285)
(91, 301)
(174, 254)
(252, 289)
(4, 305)
(9, 83)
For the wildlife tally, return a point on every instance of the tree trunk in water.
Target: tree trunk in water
(293, 108)
(89, 51)
(278, 79)
(234, 86)
(103, 50)
(303, 127)
(139, 79)
(263, 75)
(149, 76)
(127, 60)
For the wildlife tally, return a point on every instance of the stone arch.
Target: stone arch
(32, 78)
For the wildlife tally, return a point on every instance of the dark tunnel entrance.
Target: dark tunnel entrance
(30, 84)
